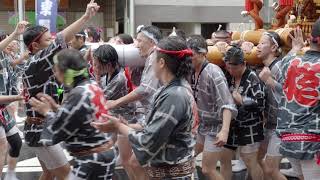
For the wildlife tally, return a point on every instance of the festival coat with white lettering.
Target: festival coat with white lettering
(299, 108)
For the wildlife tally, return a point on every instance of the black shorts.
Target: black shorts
(244, 135)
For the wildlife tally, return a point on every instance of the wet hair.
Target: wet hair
(106, 54)
(180, 67)
(33, 34)
(154, 31)
(94, 33)
(234, 55)
(126, 38)
(70, 59)
(197, 43)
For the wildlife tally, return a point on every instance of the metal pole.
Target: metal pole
(21, 11)
(132, 18)
(125, 18)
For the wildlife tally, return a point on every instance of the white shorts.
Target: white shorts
(273, 142)
(310, 169)
(52, 156)
(73, 177)
(249, 148)
(296, 166)
(2, 132)
(208, 143)
(13, 131)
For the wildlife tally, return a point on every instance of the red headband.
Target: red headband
(36, 39)
(180, 54)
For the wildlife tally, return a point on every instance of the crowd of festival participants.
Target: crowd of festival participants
(155, 120)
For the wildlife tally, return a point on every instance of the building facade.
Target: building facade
(197, 16)
(70, 10)
(119, 16)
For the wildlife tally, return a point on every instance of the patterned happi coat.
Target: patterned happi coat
(212, 95)
(247, 127)
(149, 84)
(115, 87)
(271, 108)
(7, 77)
(71, 123)
(38, 77)
(167, 138)
(299, 108)
(84, 104)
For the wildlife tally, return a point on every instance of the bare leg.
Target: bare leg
(251, 161)
(46, 175)
(226, 165)
(209, 165)
(198, 149)
(12, 163)
(261, 154)
(272, 168)
(3, 153)
(60, 173)
(140, 172)
(125, 152)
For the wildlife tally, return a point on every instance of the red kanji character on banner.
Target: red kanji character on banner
(98, 100)
(302, 83)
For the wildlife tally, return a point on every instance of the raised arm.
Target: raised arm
(20, 60)
(68, 33)
(20, 28)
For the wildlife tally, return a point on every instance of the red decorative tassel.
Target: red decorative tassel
(286, 2)
(318, 158)
(301, 137)
(130, 85)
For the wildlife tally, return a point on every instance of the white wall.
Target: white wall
(190, 28)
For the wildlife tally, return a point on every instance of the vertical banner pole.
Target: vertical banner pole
(21, 10)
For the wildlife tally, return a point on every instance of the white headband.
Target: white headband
(149, 35)
(272, 38)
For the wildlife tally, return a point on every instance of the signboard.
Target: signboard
(46, 14)
(30, 4)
